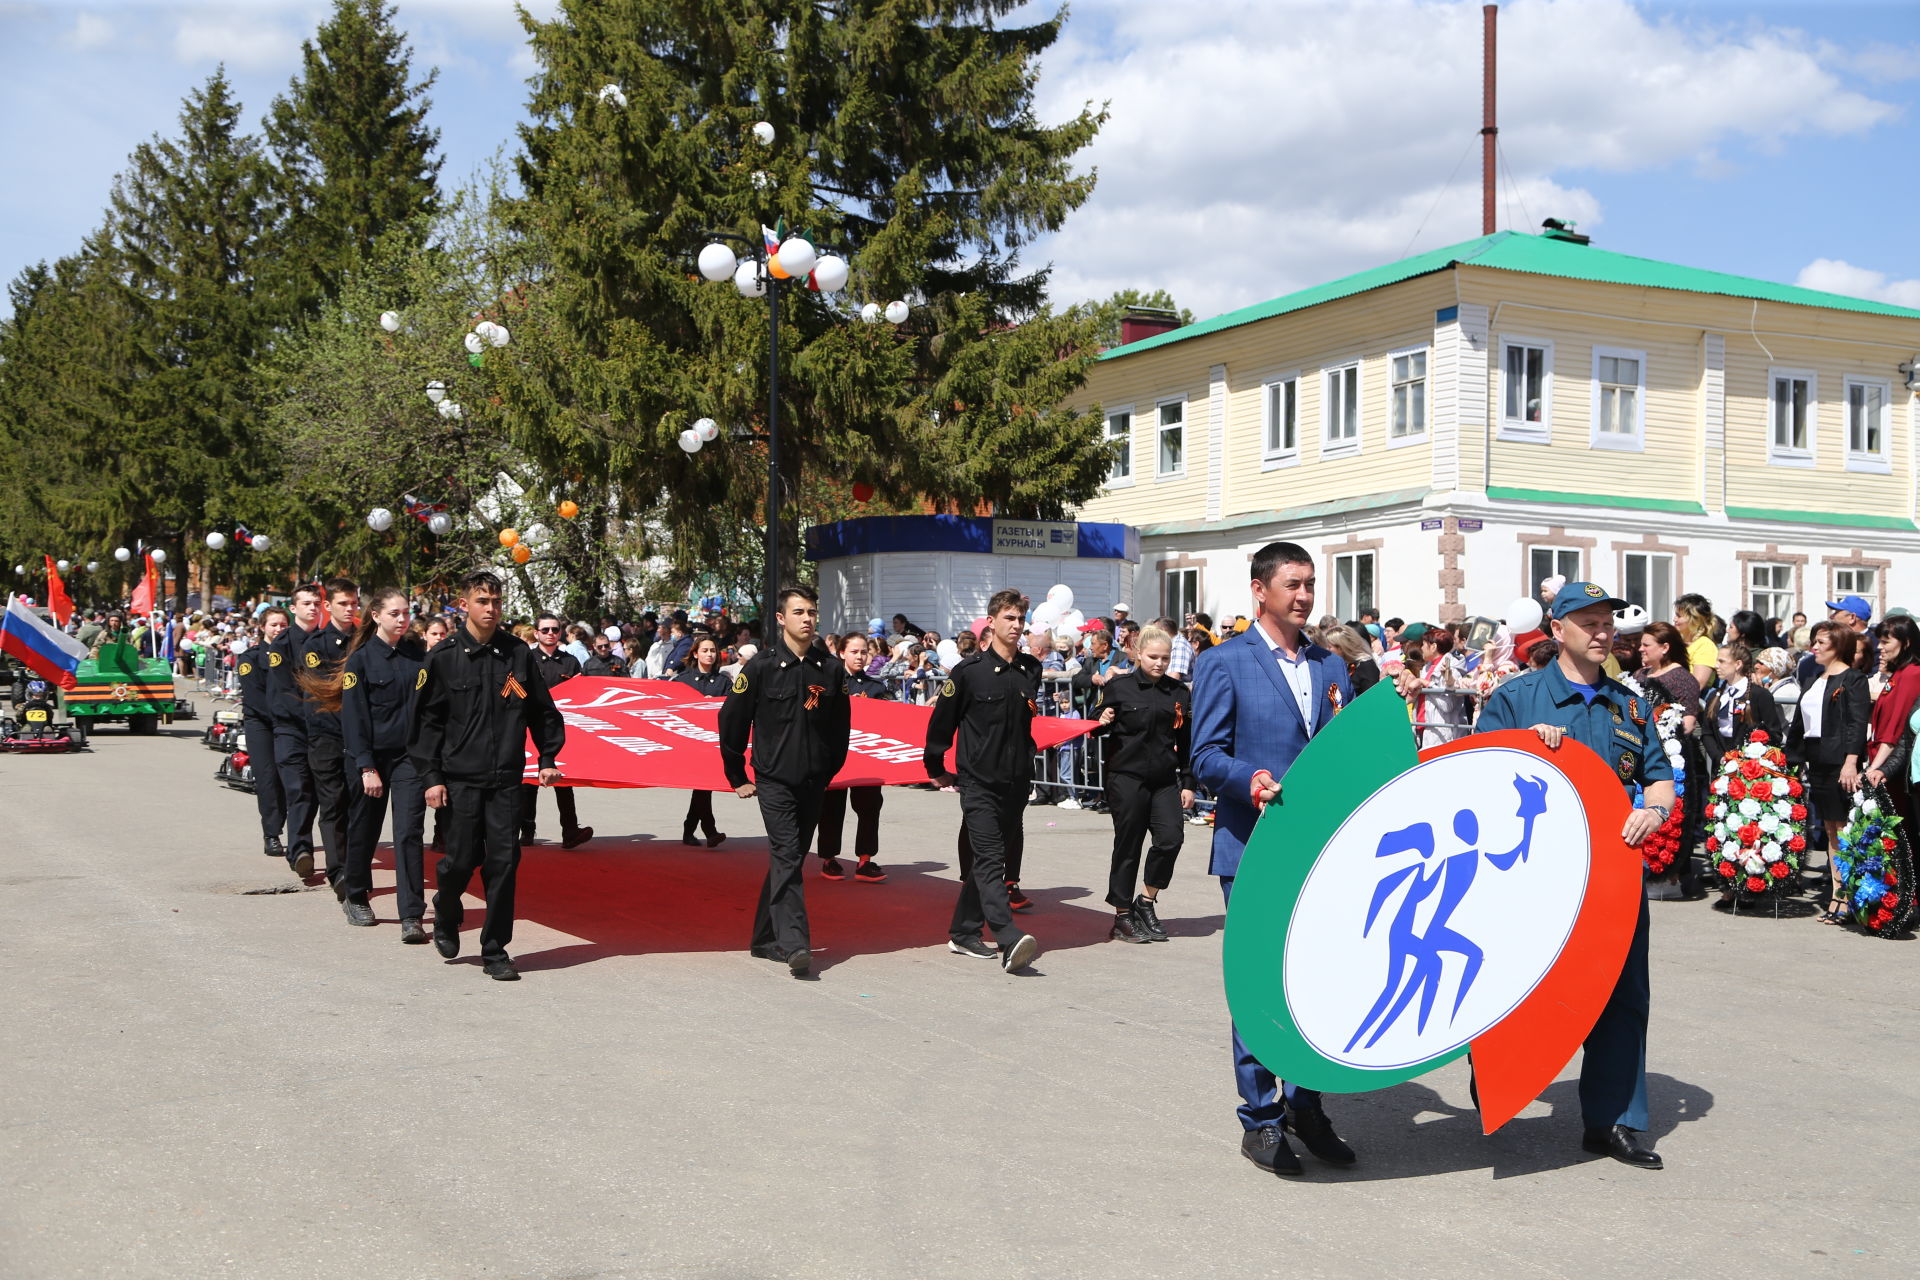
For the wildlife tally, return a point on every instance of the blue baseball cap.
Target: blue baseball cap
(1854, 605)
(1578, 595)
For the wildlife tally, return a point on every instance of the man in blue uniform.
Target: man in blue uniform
(1573, 698)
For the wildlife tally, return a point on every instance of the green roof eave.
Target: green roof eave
(1508, 493)
(1312, 511)
(1845, 520)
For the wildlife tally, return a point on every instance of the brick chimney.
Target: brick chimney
(1145, 322)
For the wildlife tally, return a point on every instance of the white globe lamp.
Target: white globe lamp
(379, 519)
(747, 279)
(390, 321)
(830, 274)
(798, 256)
(216, 540)
(122, 554)
(717, 262)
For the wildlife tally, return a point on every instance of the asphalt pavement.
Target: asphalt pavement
(202, 1080)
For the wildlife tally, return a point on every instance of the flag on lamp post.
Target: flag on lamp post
(58, 601)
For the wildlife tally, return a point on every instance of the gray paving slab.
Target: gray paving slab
(202, 1082)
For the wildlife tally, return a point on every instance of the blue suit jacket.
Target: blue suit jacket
(1245, 719)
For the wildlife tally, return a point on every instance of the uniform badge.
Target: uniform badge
(420, 681)
(1633, 710)
(1625, 767)
(349, 680)
(813, 695)
(313, 659)
(1594, 591)
(1616, 714)
(513, 687)
(740, 682)
(246, 668)
(273, 659)
(946, 690)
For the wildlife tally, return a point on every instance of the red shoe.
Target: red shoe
(1016, 899)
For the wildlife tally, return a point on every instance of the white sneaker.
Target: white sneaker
(1068, 803)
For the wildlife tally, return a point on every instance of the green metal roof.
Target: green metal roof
(1312, 511)
(1540, 255)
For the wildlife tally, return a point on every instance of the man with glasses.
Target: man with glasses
(554, 664)
(602, 661)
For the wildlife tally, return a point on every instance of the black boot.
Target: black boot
(687, 835)
(1143, 911)
(1127, 928)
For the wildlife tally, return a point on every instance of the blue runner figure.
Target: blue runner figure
(1451, 879)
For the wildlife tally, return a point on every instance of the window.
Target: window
(1867, 426)
(1526, 395)
(1649, 583)
(1857, 580)
(1770, 589)
(1352, 584)
(1179, 593)
(1409, 412)
(1619, 398)
(1120, 432)
(1340, 410)
(1793, 417)
(1546, 562)
(1173, 437)
(1280, 436)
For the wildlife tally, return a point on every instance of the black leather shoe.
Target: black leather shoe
(767, 952)
(1624, 1145)
(358, 913)
(301, 864)
(1315, 1131)
(274, 848)
(411, 933)
(446, 939)
(1267, 1147)
(1128, 928)
(1143, 911)
(714, 838)
(502, 970)
(576, 837)
(800, 962)
(687, 835)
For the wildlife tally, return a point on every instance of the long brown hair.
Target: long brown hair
(321, 686)
(1670, 641)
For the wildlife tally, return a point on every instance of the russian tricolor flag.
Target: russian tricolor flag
(46, 651)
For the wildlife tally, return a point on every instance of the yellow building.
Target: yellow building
(1443, 432)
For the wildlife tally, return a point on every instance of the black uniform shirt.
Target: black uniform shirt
(989, 703)
(283, 695)
(256, 702)
(1152, 730)
(323, 652)
(556, 666)
(376, 700)
(596, 665)
(797, 712)
(477, 702)
(710, 684)
(862, 685)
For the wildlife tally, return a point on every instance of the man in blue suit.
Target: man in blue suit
(1257, 699)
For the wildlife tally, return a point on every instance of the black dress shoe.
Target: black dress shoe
(766, 951)
(301, 864)
(358, 913)
(446, 939)
(274, 848)
(1149, 918)
(1315, 1131)
(800, 962)
(1624, 1145)
(576, 837)
(502, 970)
(1127, 928)
(1267, 1147)
(411, 933)
(714, 838)
(688, 837)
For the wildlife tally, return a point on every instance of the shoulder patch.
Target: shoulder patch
(947, 689)
(420, 681)
(740, 682)
(349, 680)
(313, 659)
(273, 659)
(246, 668)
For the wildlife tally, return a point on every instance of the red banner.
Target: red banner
(658, 733)
(58, 602)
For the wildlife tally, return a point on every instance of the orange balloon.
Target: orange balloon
(777, 271)
(522, 554)
(509, 536)
(569, 509)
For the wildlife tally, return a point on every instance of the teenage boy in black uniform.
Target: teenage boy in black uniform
(988, 703)
(290, 728)
(554, 664)
(325, 648)
(791, 697)
(479, 697)
(256, 718)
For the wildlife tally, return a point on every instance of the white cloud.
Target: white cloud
(1257, 147)
(245, 39)
(90, 31)
(1836, 275)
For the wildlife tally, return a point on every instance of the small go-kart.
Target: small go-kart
(36, 725)
(236, 766)
(223, 731)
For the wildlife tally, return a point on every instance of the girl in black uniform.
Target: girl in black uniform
(855, 652)
(703, 673)
(377, 683)
(1147, 718)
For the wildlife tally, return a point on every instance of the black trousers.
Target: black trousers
(530, 803)
(365, 814)
(991, 841)
(700, 812)
(327, 762)
(482, 834)
(790, 814)
(296, 785)
(267, 795)
(1138, 807)
(866, 816)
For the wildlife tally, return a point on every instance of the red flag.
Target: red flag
(57, 599)
(144, 593)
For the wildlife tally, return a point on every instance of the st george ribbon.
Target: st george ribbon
(1397, 908)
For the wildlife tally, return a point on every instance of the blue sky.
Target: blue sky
(1256, 146)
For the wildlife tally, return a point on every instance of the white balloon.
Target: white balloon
(436, 391)
(1524, 615)
(870, 313)
(1060, 594)
(797, 256)
(747, 279)
(63, 565)
(690, 442)
(19, 568)
(93, 566)
(1071, 620)
(159, 555)
(614, 94)
(1044, 615)
(474, 344)
(830, 274)
(534, 533)
(707, 429)
(764, 132)
(261, 542)
(439, 525)
(896, 312)
(449, 409)
(216, 541)
(379, 519)
(122, 554)
(717, 262)
(390, 321)
(499, 336)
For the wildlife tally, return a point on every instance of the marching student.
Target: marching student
(256, 719)
(290, 727)
(855, 653)
(322, 652)
(704, 675)
(376, 703)
(1147, 718)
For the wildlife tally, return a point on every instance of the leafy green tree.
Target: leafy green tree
(1110, 313)
(353, 156)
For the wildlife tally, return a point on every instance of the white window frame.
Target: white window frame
(1159, 432)
(1659, 606)
(1786, 455)
(1532, 584)
(1874, 462)
(1169, 576)
(1841, 590)
(1357, 605)
(1636, 441)
(1344, 448)
(1271, 457)
(1519, 428)
(1426, 394)
(1107, 434)
(1789, 592)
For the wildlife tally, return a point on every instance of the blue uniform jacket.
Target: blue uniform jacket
(1618, 725)
(1245, 719)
